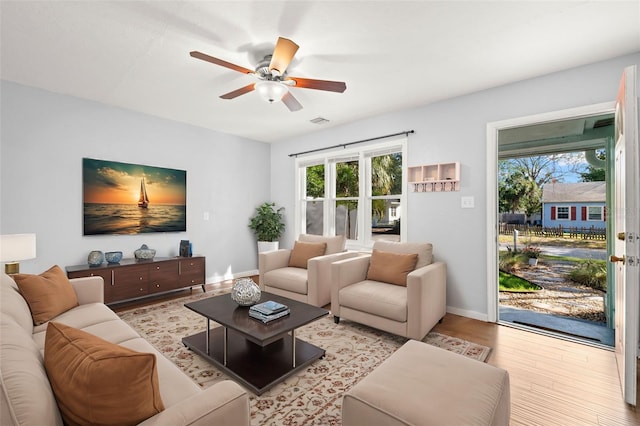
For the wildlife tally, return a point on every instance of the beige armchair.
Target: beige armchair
(398, 289)
(304, 272)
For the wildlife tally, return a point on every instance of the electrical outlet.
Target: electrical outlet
(467, 202)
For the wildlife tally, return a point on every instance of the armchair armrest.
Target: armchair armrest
(88, 289)
(344, 273)
(225, 403)
(270, 260)
(319, 276)
(426, 298)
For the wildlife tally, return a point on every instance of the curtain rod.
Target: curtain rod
(344, 145)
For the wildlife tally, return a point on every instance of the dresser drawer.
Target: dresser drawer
(130, 282)
(164, 276)
(192, 271)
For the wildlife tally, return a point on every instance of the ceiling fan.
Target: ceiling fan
(271, 71)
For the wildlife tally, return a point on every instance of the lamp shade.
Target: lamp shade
(271, 91)
(15, 247)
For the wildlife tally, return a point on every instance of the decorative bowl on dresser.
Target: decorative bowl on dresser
(132, 278)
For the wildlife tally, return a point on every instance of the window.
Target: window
(563, 213)
(353, 192)
(594, 213)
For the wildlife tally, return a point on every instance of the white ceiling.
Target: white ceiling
(391, 54)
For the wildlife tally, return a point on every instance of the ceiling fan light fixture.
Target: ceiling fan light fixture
(271, 91)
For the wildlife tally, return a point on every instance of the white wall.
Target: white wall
(455, 130)
(44, 137)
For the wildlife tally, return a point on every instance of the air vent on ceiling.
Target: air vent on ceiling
(319, 120)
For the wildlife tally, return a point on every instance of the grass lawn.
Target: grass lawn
(512, 283)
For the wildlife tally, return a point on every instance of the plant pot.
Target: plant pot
(533, 261)
(267, 246)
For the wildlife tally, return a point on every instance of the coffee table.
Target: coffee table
(255, 354)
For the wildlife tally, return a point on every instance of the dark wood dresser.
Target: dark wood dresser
(132, 279)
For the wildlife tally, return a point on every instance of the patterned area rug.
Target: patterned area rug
(313, 396)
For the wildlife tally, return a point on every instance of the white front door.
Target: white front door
(627, 231)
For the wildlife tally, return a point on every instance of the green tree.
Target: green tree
(518, 189)
(315, 181)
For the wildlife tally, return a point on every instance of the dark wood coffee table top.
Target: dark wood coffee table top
(223, 310)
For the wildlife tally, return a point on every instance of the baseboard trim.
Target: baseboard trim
(218, 278)
(469, 314)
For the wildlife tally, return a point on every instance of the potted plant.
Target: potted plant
(533, 253)
(268, 225)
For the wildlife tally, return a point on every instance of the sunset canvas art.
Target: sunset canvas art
(122, 198)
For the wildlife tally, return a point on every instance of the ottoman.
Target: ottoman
(423, 385)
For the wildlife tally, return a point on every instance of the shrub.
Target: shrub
(592, 273)
(531, 252)
(510, 261)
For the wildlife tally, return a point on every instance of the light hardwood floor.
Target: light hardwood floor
(553, 381)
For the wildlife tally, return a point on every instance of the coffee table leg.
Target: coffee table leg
(224, 351)
(293, 348)
(206, 336)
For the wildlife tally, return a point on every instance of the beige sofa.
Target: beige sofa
(309, 284)
(409, 309)
(27, 397)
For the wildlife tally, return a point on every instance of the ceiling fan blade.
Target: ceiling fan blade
(291, 102)
(205, 57)
(241, 91)
(282, 55)
(308, 83)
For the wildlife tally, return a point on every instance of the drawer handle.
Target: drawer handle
(157, 268)
(141, 290)
(141, 278)
(157, 285)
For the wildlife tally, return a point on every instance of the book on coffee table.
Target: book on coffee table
(268, 308)
(268, 318)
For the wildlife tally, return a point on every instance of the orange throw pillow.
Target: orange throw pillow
(391, 268)
(99, 382)
(302, 252)
(48, 294)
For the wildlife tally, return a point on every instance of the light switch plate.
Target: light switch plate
(205, 216)
(467, 202)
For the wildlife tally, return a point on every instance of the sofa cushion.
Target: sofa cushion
(27, 398)
(13, 304)
(97, 382)
(48, 294)
(302, 252)
(334, 244)
(376, 298)
(391, 268)
(289, 279)
(424, 250)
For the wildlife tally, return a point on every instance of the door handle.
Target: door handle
(614, 259)
(621, 236)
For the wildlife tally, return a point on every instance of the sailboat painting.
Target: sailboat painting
(144, 198)
(123, 198)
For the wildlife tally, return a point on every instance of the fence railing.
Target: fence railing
(583, 232)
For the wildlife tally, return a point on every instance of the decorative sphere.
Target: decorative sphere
(95, 258)
(113, 256)
(245, 292)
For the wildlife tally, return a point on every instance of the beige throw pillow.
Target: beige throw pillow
(98, 382)
(391, 268)
(48, 294)
(302, 252)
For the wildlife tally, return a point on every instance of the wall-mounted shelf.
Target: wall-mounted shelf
(441, 177)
